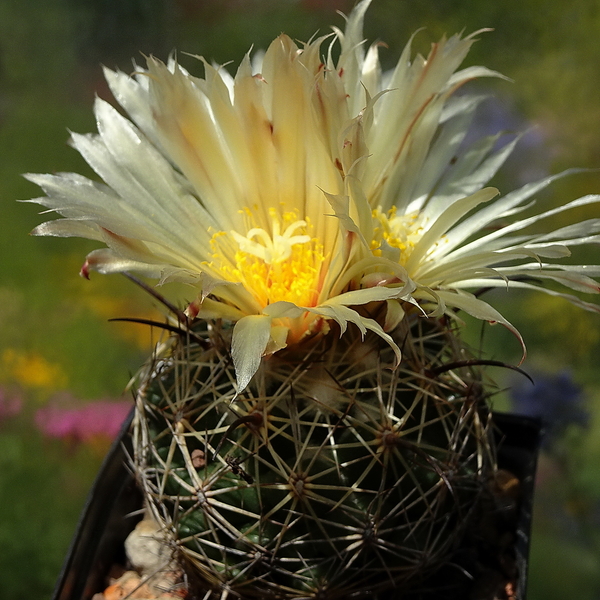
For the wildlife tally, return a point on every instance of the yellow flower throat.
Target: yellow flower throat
(283, 264)
(401, 232)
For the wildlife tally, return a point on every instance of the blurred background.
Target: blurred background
(63, 366)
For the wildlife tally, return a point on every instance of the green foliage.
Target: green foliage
(42, 490)
(552, 555)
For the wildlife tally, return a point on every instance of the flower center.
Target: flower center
(398, 231)
(281, 264)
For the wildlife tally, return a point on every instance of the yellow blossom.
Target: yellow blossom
(32, 370)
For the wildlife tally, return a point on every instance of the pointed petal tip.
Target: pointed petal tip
(85, 270)
(251, 335)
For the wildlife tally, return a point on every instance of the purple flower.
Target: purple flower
(532, 156)
(554, 398)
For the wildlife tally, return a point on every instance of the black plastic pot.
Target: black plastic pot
(519, 445)
(113, 509)
(110, 513)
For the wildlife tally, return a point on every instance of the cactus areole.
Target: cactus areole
(315, 427)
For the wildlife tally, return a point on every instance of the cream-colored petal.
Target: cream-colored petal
(436, 230)
(482, 283)
(251, 335)
(69, 228)
(479, 309)
(524, 223)
(106, 261)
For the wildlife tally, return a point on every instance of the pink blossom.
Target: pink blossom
(98, 418)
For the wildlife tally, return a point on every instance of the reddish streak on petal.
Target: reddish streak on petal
(85, 270)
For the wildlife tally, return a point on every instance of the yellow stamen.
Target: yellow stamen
(398, 231)
(283, 264)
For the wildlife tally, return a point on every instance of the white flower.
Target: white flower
(293, 194)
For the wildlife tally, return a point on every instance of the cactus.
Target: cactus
(332, 474)
(315, 427)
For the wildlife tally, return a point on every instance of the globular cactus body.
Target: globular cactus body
(335, 474)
